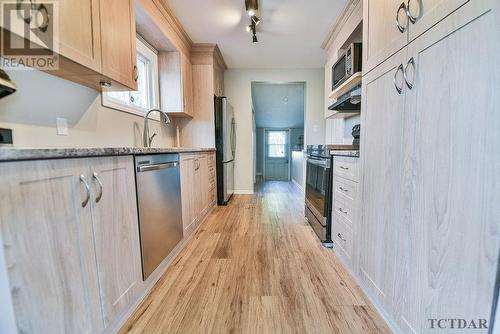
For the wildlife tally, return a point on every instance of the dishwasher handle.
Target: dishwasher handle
(153, 167)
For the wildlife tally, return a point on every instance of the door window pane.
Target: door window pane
(276, 144)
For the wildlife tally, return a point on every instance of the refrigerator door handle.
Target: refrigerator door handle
(233, 137)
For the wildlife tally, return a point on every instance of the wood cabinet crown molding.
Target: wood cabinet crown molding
(349, 9)
(174, 22)
(207, 54)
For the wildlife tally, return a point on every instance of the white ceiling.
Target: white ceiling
(278, 105)
(290, 34)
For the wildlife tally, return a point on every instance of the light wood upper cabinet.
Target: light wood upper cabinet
(176, 84)
(79, 21)
(47, 236)
(381, 36)
(426, 13)
(452, 168)
(116, 233)
(118, 41)
(187, 85)
(96, 42)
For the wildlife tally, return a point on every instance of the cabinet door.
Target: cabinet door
(189, 189)
(202, 176)
(116, 233)
(381, 37)
(383, 119)
(453, 212)
(47, 237)
(187, 85)
(426, 13)
(79, 32)
(118, 41)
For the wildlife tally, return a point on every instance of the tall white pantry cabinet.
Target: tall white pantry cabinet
(430, 153)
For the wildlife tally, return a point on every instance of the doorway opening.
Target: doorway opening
(278, 131)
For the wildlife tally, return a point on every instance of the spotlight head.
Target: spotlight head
(255, 20)
(254, 39)
(251, 12)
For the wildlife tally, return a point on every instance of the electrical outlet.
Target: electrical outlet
(5, 137)
(62, 126)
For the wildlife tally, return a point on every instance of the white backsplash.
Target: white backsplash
(338, 131)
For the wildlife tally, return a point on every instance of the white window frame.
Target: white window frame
(147, 52)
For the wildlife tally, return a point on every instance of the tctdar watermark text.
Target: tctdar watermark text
(467, 324)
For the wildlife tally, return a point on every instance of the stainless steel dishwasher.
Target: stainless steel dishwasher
(160, 209)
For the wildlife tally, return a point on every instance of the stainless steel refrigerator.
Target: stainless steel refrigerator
(225, 143)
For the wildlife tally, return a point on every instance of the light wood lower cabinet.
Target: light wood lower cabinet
(381, 153)
(197, 187)
(73, 265)
(116, 234)
(49, 249)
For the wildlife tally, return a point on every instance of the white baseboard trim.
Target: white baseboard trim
(298, 185)
(243, 192)
(356, 278)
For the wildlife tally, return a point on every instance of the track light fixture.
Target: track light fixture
(252, 6)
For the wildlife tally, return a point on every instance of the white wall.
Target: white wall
(237, 84)
(298, 168)
(338, 131)
(32, 111)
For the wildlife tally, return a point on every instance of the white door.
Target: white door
(452, 206)
(277, 155)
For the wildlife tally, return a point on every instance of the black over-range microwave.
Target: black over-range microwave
(350, 62)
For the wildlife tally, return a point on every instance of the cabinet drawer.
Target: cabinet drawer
(346, 168)
(342, 236)
(345, 188)
(344, 208)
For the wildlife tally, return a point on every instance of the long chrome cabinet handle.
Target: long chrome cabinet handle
(412, 63)
(96, 177)
(87, 188)
(149, 168)
(341, 237)
(400, 27)
(413, 19)
(399, 89)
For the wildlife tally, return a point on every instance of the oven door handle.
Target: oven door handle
(318, 162)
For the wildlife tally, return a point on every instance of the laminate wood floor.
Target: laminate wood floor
(256, 267)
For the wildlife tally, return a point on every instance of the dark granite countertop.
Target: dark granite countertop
(18, 154)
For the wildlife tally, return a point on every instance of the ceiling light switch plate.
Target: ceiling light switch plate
(5, 136)
(62, 126)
